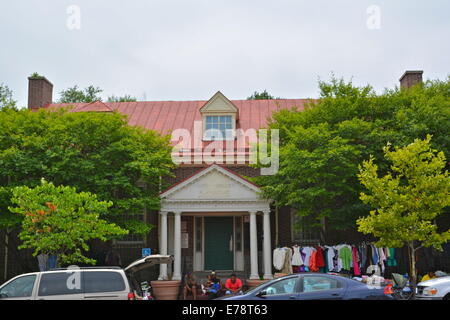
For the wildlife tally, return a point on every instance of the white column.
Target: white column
(163, 245)
(267, 247)
(253, 247)
(177, 247)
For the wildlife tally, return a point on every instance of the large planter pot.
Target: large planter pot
(254, 283)
(166, 289)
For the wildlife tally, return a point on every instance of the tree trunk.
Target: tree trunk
(413, 271)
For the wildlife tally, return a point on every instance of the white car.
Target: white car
(91, 283)
(434, 289)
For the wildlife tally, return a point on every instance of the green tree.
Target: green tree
(261, 96)
(322, 145)
(407, 199)
(76, 95)
(94, 152)
(60, 221)
(6, 98)
(125, 98)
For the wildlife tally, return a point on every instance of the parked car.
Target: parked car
(434, 289)
(313, 286)
(92, 283)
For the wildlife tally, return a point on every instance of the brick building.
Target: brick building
(212, 217)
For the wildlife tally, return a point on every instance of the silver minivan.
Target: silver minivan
(92, 283)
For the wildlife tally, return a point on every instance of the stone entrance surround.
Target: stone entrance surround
(215, 190)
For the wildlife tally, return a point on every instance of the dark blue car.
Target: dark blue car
(313, 286)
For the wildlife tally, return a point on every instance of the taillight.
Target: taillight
(388, 289)
(131, 296)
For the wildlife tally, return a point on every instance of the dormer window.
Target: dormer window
(219, 127)
(219, 118)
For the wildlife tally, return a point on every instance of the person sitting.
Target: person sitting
(233, 285)
(213, 286)
(190, 286)
(430, 275)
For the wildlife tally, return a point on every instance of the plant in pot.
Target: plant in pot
(166, 289)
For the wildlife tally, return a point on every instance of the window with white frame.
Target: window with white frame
(219, 127)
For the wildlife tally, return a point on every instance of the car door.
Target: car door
(19, 288)
(105, 285)
(321, 287)
(61, 285)
(283, 289)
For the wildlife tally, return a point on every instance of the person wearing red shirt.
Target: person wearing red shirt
(233, 285)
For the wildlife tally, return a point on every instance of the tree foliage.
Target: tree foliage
(94, 152)
(60, 221)
(261, 96)
(407, 199)
(6, 98)
(125, 98)
(76, 95)
(322, 145)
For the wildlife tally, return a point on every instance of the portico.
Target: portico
(219, 201)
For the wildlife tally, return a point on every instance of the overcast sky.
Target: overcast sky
(189, 49)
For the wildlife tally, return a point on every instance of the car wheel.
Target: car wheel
(447, 297)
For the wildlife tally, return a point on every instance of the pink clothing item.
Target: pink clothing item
(355, 262)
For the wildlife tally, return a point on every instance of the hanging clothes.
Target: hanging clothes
(330, 258)
(346, 257)
(43, 262)
(382, 257)
(52, 262)
(287, 267)
(296, 257)
(325, 255)
(313, 262)
(375, 255)
(336, 260)
(391, 262)
(320, 258)
(356, 261)
(363, 255)
(279, 255)
(307, 251)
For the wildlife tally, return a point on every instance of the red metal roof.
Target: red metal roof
(166, 116)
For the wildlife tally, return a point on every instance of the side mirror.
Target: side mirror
(261, 294)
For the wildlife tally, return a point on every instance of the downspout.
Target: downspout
(276, 226)
(5, 276)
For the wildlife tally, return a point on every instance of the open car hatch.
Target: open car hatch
(149, 261)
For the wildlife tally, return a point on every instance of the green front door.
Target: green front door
(218, 236)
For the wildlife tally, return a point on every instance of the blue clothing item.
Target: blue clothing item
(52, 262)
(375, 255)
(215, 288)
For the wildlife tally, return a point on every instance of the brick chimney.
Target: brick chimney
(410, 78)
(40, 92)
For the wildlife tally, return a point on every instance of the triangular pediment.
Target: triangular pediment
(219, 104)
(213, 183)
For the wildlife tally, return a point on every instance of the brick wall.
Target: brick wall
(40, 92)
